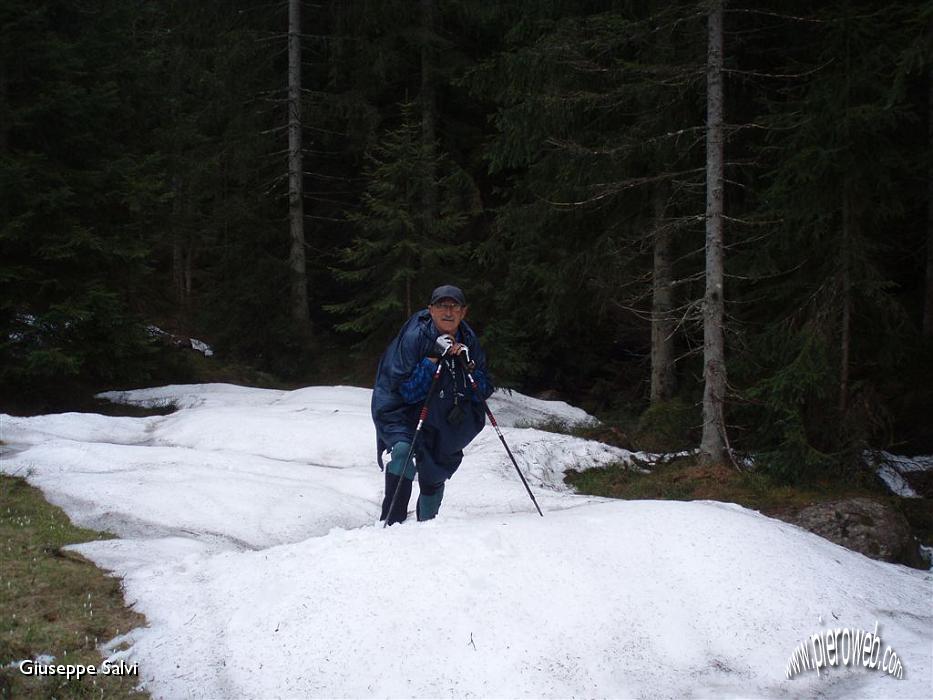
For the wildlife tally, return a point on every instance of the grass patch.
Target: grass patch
(54, 602)
(686, 480)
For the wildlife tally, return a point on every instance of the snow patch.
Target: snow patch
(891, 468)
(517, 410)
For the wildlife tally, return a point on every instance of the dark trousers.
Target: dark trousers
(429, 502)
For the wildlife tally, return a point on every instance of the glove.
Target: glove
(441, 346)
(465, 357)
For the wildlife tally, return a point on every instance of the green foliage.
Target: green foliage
(596, 108)
(73, 247)
(823, 281)
(143, 177)
(402, 250)
(668, 426)
(90, 337)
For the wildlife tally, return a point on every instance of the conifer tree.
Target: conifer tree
(399, 255)
(296, 258)
(835, 185)
(599, 133)
(77, 179)
(713, 445)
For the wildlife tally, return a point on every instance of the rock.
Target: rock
(863, 525)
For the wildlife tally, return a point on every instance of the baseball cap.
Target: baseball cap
(448, 291)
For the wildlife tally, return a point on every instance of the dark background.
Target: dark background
(143, 180)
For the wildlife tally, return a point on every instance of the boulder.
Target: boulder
(863, 525)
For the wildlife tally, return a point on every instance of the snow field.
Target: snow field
(249, 541)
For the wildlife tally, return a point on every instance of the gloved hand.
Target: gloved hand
(465, 357)
(442, 346)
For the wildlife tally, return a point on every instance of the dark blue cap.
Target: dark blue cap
(448, 291)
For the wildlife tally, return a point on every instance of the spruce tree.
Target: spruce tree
(77, 180)
(829, 325)
(399, 253)
(600, 139)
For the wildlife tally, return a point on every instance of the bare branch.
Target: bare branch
(774, 14)
(778, 76)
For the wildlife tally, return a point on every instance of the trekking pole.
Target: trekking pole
(411, 450)
(492, 419)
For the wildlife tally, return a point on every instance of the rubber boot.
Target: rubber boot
(429, 502)
(393, 474)
(400, 512)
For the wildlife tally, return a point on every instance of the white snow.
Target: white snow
(193, 343)
(248, 538)
(202, 347)
(514, 409)
(891, 469)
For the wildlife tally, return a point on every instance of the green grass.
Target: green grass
(685, 480)
(54, 602)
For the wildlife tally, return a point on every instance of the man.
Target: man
(438, 334)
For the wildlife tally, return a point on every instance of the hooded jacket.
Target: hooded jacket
(395, 419)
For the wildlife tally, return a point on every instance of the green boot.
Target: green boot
(429, 502)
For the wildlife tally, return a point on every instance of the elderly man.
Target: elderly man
(455, 414)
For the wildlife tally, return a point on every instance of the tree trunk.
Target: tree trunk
(4, 110)
(5, 114)
(928, 305)
(296, 258)
(662, 322)
(408, 310)
(845, 335)
(712, 446)
(189, 270)
(428, 117)
(178, 250)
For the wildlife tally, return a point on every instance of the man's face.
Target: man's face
(447, 314)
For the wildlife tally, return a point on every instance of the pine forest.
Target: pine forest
(708, 219)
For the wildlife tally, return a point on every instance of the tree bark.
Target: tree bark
(712, 446)
(428, 117)
(845, 335)
(4, 110)
(662, 322)
(928, 305)
(296, 258)
(5, 114)
(408, 310)
(178, 249)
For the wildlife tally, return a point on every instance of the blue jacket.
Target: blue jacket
(402, 381)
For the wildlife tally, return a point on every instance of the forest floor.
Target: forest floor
(52, 598)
